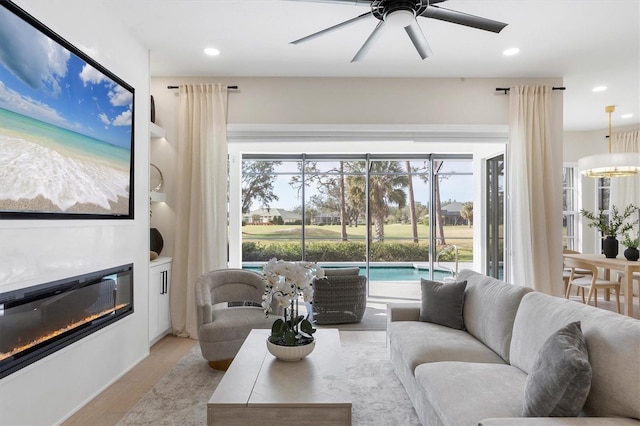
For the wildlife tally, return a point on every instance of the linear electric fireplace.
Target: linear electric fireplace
(37, 321)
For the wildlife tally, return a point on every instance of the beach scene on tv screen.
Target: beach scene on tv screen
(65, 128)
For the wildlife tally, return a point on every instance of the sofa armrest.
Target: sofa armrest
(558, 421)
(403, 312)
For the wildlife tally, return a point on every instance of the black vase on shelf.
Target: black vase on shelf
(632, 254)
(153, 110)
(610, 247)
(156, 242)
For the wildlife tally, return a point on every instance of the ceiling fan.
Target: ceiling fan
(404, 13)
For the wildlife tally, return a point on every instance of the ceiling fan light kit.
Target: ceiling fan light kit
(611, 165)
(403, 13)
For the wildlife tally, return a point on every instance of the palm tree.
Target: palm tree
(412, 203)
(467, 212)
(387, 182)
(343, 204)
(438, 205)
(355, 192)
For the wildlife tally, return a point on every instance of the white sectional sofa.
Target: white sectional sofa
(478, 375)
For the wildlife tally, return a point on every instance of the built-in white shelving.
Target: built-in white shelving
(156, 131)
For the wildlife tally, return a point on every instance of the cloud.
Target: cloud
(91, 75)
(30, 56)
(119, 96)
(124, 119)
(14, 101)
(103, 117)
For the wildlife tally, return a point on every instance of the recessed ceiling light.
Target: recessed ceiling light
(211, 51)
(511, 51)
(626, 115)
(599, 88)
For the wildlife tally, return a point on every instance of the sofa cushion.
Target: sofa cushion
(490, 308)
(421, 342)
(443, 303)
(463, 393)
(560, 378)
(613, 342)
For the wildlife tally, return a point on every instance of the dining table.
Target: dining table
(614, 264)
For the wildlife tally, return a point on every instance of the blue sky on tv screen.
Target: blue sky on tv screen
(41, 79)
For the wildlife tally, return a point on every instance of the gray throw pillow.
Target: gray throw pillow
(560, 379)
(443, 303)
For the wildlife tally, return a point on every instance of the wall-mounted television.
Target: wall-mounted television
(66, 127)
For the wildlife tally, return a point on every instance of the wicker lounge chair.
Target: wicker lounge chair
(339, 299)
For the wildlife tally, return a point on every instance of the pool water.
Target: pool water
(399, 273)
(388, 273)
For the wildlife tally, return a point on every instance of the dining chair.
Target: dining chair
(635, 278)
(566, 273)
(591, 281)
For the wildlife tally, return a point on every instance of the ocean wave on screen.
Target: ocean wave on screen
(28, 170)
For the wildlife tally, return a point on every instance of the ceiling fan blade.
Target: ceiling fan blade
(375, 34)
(437, 12)
(419, 40)
(333, 28)
(349, 2)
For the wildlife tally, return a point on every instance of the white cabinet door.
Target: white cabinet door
(159, 282)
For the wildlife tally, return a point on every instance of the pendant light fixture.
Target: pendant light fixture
(618, 164)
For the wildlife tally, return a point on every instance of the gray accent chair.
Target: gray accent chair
(222, 326)
(340, 297)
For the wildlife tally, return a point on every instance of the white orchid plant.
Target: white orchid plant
(286, 282)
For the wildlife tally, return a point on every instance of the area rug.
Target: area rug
(180, 397)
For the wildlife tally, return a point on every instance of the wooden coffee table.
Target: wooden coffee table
(258, 389)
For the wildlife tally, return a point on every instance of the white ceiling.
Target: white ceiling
(586, 42)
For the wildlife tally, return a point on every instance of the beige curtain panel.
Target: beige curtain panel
(625, 190)
(535, 191)
(201, 210)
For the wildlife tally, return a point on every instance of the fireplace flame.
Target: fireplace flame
(56, 333)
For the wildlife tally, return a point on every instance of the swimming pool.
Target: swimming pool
(387, 273)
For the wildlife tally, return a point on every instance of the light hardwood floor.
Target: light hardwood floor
(113, 403)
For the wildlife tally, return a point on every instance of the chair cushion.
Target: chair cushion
(234, 323)
(341, 271)
(560, 379)
(443, 303)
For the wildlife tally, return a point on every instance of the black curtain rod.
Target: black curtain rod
(506, 89)
(177, 87)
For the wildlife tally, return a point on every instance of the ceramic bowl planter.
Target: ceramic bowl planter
(290, 353)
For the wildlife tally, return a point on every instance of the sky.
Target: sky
(41, 79)
(455, 187)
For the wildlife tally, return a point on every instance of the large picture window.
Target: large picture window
(367, 210)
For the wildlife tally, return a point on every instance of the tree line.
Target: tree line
(343, 189)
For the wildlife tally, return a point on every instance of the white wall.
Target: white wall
(33, 252)
(367, 102)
